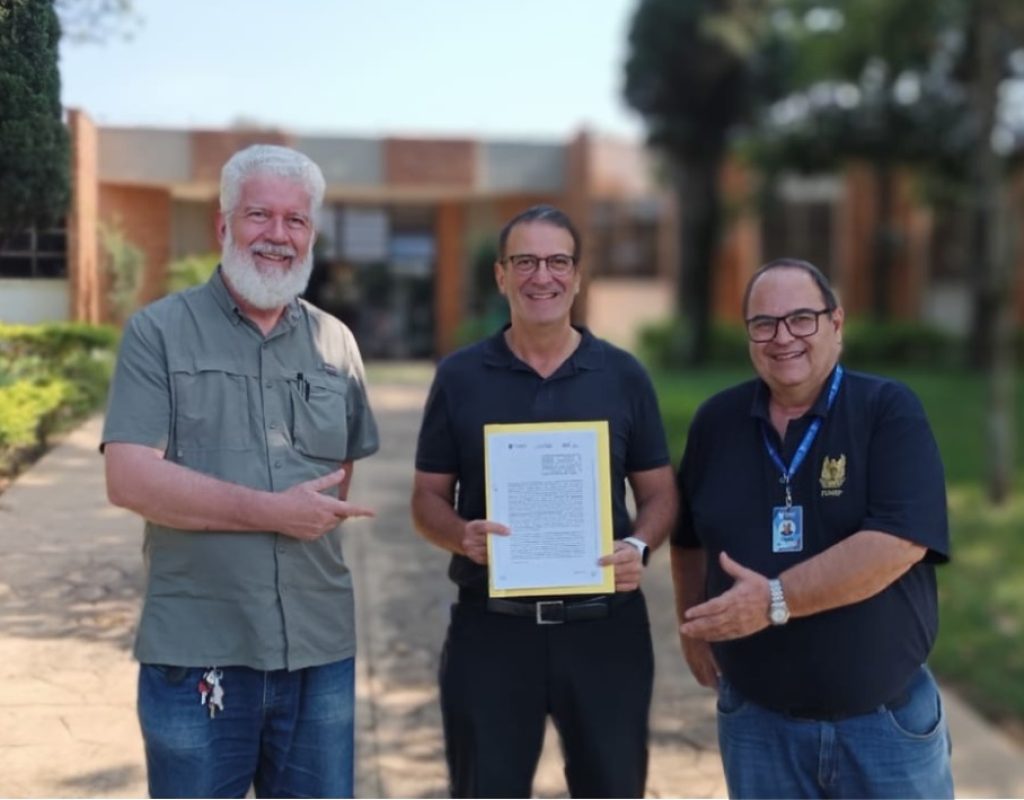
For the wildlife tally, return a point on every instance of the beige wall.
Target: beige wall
(32, 300)
(618, 307)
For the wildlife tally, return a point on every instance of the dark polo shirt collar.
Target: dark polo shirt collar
(759, 407)
(587, 356)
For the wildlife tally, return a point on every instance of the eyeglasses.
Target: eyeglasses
(800, 323)
(559, 265)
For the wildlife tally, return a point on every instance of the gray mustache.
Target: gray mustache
(273, 250)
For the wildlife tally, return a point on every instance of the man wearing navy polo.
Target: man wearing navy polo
(508, 664)
(813, 513)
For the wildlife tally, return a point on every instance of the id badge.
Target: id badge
(787, 529)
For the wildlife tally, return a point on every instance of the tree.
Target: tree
(869, 80)
(996, 28)
(96, 21)
(690, 72)
(33, 140)
(922, 84)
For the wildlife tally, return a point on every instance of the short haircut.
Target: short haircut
(827, 294)
(549, 215)
(269, 159)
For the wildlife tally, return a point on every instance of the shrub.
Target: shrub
(480, 326)
(664, 345)
(51, 376)
(28, 411)
(54, 341)
(191, 271)
(125, 262)
(900, 343)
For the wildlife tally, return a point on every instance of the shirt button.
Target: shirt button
(272, 426)
(269, 384)
(277, 465)
(280, 548)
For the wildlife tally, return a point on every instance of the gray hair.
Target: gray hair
(828, 296)
(542, 213)
(270, 159)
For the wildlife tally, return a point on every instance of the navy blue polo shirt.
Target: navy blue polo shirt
(874, 465)
(486, 383)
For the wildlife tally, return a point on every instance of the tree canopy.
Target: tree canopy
(693, 71)
(34, 147)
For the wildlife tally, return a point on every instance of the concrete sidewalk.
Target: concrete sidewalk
(70, 582)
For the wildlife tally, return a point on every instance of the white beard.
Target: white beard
(264, 289)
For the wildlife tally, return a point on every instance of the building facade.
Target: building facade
(407, 232)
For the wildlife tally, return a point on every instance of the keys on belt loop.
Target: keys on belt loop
(211, 693)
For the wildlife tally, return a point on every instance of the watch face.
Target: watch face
(778, 614)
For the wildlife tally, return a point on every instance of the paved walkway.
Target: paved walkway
(70, 582)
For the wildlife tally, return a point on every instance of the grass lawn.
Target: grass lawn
(981, 593)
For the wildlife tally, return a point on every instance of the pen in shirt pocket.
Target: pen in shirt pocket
(303, 386)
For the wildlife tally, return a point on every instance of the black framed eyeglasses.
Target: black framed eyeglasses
(800, 323)
(558, 265)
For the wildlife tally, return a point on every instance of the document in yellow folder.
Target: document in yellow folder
(550, 483)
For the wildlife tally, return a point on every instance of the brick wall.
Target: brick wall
(144, 214)
(210, 149)
(437, 162)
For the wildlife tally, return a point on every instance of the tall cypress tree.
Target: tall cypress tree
(34, 151)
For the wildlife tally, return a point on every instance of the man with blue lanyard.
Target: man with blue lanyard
(813, 511)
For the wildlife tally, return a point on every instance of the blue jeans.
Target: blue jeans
(287, 734)
(901, 752)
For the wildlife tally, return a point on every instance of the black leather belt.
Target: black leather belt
(554, 612)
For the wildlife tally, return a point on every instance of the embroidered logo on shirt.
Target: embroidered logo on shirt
(833, 476)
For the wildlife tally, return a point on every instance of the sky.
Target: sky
(523, 69)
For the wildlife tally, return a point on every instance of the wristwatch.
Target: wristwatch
(641, 545)
(778, 611)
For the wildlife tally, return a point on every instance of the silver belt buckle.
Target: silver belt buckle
(550, 604)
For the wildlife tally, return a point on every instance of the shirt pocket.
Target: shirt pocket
(212, 407)
(320, 428)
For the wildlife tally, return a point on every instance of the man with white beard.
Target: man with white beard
(235, 415)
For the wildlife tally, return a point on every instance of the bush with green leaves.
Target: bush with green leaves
(54, 341)
(665, 345)
(51, 376)
(191, 271)
(29, 412)
(125, 263)
(900, 343)
(866, 343)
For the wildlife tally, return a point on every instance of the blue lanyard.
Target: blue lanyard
(808, 440)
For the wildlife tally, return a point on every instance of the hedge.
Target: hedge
(51, 377)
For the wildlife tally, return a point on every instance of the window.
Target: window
(801, 230)
(624, 238)
(950, 244)
(35, 254)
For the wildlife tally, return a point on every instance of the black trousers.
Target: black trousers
(502, 675)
